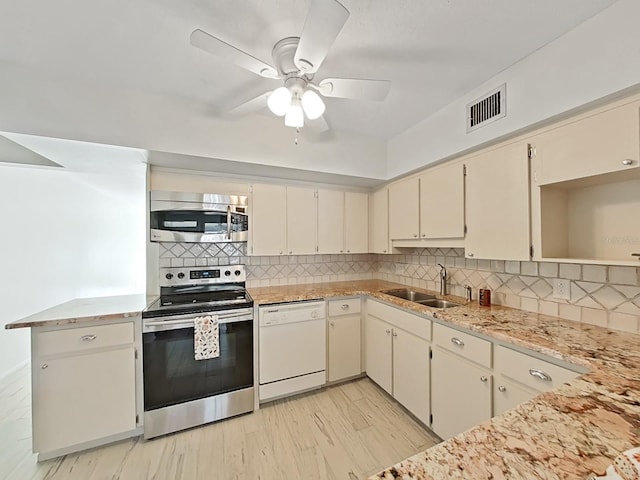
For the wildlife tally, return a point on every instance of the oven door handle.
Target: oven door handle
(228, 318)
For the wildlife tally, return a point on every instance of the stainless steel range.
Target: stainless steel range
(179, 391)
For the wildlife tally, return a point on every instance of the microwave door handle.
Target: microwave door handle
(228, 222)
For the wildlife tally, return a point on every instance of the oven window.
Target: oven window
(172, 375)
(189, 221)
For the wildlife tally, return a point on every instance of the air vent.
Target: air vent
(487, 109)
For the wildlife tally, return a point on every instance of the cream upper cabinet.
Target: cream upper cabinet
(330, 221)
(301, 221)
(356, 222)
(268, 219)
(605, 142)
(442, 201)
(379, 222)
(497, 204)
(403, 209)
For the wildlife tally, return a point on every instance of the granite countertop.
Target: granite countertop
(569, 433)
(81, 310)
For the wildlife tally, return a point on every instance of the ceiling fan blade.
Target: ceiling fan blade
(359, 89)
(219, 48)
(253, 105)
(323, 24)
(318, 125)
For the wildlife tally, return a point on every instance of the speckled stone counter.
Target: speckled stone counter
(569, 433)
(82, 310)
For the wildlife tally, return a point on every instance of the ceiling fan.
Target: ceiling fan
(296, 60)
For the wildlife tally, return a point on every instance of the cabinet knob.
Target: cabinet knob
(280, 252)
(88, 338)
(388, 331)
(469, 254)
(534, 372)
(333, 324)
(415, 235)
(341, 251)
(344, 306)
(395, 334)
(483, 378)
(627, 161)
(348, 251)
(384, 251)
(457, 341)
(44, 366)
(290, 252)
(502, 388)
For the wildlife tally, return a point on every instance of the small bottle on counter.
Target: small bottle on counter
(484, 297)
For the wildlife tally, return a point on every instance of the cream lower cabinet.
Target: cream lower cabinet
(461, 381)
(397, 355)
(344, 329)
(83, 382)
(508, 394)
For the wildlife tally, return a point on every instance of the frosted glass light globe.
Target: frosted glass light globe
(312, 105)
(279, 101)
(294, 116)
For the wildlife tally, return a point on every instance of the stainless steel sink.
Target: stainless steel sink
(437, 303)
(411, 295)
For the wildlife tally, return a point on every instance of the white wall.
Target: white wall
(598, 58)
(66, 234)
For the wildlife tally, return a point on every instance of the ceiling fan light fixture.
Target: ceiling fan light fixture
(312, 105)
(294, 116)
(279, 101)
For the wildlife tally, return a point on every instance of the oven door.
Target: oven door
(222, 224)
(171, 373)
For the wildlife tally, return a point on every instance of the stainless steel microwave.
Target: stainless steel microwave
(198, 217)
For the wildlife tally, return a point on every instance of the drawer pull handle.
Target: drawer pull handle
(483, 378)
(539, 374)
(44, 366)
(502, 388)
(344, 306)
(457, 341)
(88, 338)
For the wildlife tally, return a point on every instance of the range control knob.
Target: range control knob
(314, 314)
(169, 276)
(237, 272)
(227, 273)
(181, 275)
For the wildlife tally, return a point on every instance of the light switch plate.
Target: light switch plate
(562, 289)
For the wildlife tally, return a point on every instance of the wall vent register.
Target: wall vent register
(487, 109)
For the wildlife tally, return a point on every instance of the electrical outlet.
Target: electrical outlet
(562, 289)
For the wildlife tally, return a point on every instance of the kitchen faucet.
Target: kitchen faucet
(443, 279)
(467, 291)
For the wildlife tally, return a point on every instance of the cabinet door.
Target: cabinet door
(442, 202)
(301, 221)
(461, 394)
(378, 352)
(330, 221)
(379, 219)
(602, 143)
(508, 394)
(497, 204)
(83, 397)
(403, 210)
(411, 373)
(344, 347)
(356, 222)
(268, 219)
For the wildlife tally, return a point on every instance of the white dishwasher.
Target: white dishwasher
(293, 348)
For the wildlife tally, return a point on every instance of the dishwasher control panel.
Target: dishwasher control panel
(291, 312)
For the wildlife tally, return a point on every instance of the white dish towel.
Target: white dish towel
(626, 466)
(206, 338)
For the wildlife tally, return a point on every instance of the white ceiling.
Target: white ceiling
(432, 51)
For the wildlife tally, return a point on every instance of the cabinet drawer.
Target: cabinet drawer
(84, 338)
(531, 371)
(407, 321)
(344, 306)
(468, 346)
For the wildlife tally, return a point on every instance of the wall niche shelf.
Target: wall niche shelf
(591, 220)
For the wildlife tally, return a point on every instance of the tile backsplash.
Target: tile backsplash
(607, 296)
